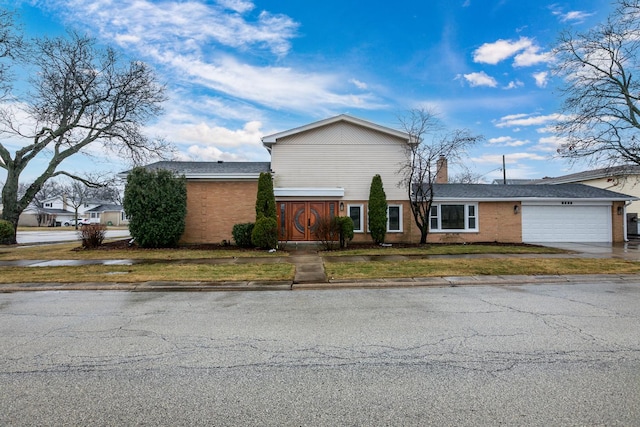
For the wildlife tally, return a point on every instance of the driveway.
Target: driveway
(54, 236)
(629, 250)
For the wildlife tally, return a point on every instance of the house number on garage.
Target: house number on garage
(567, 203)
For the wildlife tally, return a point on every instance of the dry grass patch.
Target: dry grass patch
(444, 249)
(480, 267)
(148, 272)
(73, 251)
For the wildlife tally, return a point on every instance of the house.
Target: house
(623, 179)
(325, 168)
(107, 214)
(55, 211)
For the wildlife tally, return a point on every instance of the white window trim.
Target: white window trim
(466, 219)
(361, 206)
(400, 219)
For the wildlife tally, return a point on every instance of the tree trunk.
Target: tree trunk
(423, 235)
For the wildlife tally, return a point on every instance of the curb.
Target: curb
(441, 282)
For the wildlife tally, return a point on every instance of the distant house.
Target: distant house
(623, 179)
(54, 211)
(107, 214)
(325, 168)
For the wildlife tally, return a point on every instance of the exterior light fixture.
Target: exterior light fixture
(341, 206)
(516, 209)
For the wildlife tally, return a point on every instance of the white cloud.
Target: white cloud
(492, 53)
(541, 78)
(526, 120)
(514, 84)
(574, 16)
(507, 141)
(480, 79)
(183, 26)
(510, 158)
(358, 84)
(193, 41)
(239, 6)
(550, 143)
(524, 49)
(531, 56)
(199, 153)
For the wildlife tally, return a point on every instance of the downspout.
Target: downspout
(624, 213)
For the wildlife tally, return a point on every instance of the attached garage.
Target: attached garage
(568, 222)
(530, 213)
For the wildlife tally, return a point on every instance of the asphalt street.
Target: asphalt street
(65, 235)
(481, 355)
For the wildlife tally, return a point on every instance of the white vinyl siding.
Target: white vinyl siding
(339, 155)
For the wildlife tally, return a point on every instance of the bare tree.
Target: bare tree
(80, 95)
(466, 176)
(76, 194)
(11, 47)
(429, 143)
(600, 121)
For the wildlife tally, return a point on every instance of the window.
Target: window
(394, 218)
(445, 217)
(355, 212)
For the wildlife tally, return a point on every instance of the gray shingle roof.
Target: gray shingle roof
(520, 192)
(106, 208)
(199, 169)
(612, 171)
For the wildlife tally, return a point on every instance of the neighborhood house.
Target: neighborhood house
(325, 169)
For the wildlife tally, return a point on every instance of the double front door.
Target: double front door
(299, 221)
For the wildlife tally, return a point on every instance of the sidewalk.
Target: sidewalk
(440, 282)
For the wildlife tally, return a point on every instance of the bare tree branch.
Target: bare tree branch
(429, 143)
(601, 110)
(80, 95)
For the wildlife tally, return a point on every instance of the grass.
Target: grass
(186, 271)
(73, 251)
(443, 249)
(148, 272)
(471, 267)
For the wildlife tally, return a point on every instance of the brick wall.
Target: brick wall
(497, 223)
(214, 207)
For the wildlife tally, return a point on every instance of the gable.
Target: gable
(340, 133)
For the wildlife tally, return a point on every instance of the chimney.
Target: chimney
(442, 173)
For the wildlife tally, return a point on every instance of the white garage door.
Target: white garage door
(566, 223)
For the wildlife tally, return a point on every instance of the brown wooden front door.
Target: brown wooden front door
(298, 221)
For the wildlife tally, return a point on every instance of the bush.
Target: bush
(156, 203)
(93, 235)
(377, 210)
(242, 234)
(328, 232)
(7, 232)
(265, 199)
(265, 233)
(345, 229)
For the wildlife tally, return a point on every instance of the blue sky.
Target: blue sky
(237, 70)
